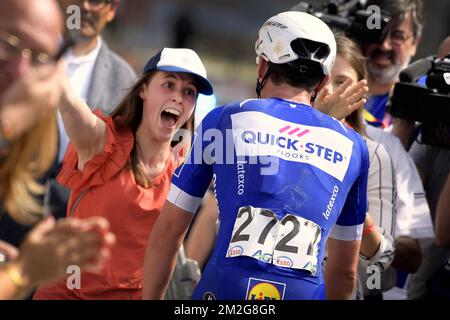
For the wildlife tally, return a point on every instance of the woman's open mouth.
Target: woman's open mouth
(170, 117)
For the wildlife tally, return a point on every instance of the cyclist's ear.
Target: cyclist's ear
(262, 68)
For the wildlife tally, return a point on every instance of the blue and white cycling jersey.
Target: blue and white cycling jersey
(286, 177)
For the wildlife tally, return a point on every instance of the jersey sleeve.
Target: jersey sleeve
(191, 180)
(350, 223)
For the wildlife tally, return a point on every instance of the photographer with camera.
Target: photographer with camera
(433, 162)
(434, 165)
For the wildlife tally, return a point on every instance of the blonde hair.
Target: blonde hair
(28, 159)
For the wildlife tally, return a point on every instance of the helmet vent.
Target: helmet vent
(310, 49)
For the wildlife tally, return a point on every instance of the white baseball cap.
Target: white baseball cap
(181, 60)
(293, 35)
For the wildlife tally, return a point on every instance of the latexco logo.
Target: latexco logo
(326, 214)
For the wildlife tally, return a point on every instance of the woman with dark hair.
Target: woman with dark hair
(120, 167)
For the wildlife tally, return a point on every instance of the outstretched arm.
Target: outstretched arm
(160, 257)
(85, 130)
(202, 236)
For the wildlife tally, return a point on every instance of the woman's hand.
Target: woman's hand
(51, 247)
(344, 100)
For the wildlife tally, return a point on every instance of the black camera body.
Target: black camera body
(428, 105)
(350, 17)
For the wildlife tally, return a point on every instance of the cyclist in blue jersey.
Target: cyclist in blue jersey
(287, 179)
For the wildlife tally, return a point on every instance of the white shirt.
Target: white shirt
(79, 71)
(413, 214)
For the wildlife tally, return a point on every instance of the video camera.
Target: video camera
(428, 104)
(352, 18)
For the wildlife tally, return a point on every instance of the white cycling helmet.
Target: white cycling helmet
(293, 35)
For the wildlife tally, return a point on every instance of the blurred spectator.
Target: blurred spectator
(49, 250)
(28, 42)
(385, 60)
(98, 75)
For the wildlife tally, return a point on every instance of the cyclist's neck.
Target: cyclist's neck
(286, 92)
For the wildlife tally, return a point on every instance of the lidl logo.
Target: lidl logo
(259, 289)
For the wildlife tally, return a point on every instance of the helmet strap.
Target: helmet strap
(260, 84)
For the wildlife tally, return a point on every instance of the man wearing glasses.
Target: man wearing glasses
(97, 75)
(29, 44)
(385, 60)
(25, 44)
